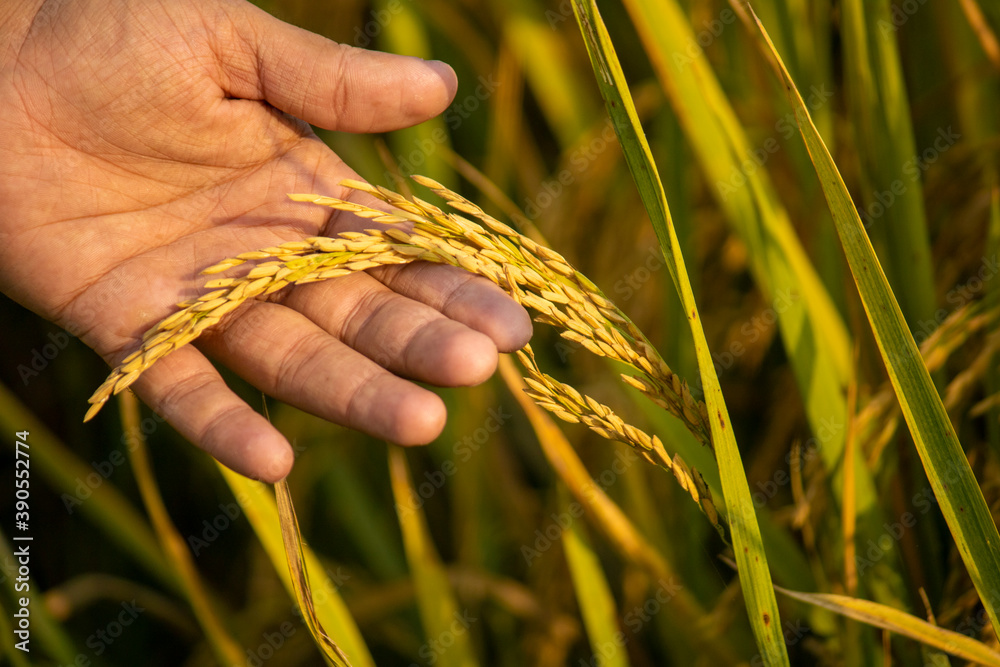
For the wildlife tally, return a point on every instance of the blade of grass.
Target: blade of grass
(593, 595)
(223, 645)
(438, 608)
(813, 332)
(291, 536)
(261, 510)
(754, 574)
(959, 495)
(881, 122)
(894, 620)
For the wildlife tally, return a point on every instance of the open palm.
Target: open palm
(142, 141)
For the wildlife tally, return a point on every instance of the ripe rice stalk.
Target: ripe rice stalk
(535, 276)
(618, 527)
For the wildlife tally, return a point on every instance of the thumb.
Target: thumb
(331, 85)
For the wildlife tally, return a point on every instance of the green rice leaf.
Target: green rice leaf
(597, 604)
(952, 480)
(291, 536)
(812, 331)
(261, 510)
(893, 196)
(446, 628)
(901, 623)
(754, 574)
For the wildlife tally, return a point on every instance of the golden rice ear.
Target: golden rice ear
(537, 277)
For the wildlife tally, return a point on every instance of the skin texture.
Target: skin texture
(142, 141)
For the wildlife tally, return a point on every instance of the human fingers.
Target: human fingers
(287, 356)
(331, 85)
(406, 337)
(463, 297)
(186, 390)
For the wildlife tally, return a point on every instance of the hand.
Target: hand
(144, 140)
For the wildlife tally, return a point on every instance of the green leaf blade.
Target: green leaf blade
(952, 480)
(755, 576)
